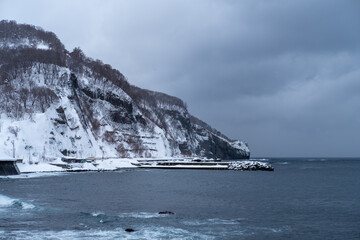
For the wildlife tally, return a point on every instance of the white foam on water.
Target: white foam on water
(224, 221)
(282, 163)
(97, 213)
(171, 233)
(26, 205)
(214, 221)
(8, 202)
(142, 215)
(117, 233)
(35, 175)
(272, 230)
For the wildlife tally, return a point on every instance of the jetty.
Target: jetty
(205, 164)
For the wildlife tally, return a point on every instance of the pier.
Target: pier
(205, 164)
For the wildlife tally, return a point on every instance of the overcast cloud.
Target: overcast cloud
(282, 75)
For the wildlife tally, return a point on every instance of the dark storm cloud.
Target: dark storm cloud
(282, 75)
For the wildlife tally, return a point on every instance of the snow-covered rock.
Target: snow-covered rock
(250, 165)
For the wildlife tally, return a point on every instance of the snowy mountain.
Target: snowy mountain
(58, 103)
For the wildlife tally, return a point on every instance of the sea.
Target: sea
(304, 198)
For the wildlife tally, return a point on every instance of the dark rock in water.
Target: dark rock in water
(167, 212)
(129, 230)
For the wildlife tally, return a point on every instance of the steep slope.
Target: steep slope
(57, 103)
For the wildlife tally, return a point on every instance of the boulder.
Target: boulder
(166, 212)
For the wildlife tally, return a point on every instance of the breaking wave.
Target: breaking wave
(12, 202)
(98, 213)
(117, 233)
(142, 215)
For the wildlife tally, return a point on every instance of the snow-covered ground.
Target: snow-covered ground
(96, 165)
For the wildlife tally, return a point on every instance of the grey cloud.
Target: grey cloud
(282, 75)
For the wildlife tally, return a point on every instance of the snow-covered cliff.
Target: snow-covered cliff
(57, 103)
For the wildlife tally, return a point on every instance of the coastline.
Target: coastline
(114, 164)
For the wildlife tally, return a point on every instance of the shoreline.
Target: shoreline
(116, 164)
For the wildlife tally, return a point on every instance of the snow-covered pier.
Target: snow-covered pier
(208, 165)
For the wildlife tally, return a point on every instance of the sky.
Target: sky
(282, 75)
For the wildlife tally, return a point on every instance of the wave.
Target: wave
(12, 202)
(259, 159)
(317, 160)
(214, 221)
(145, 215)
(142, 215)
(5, 201)
(212, 228)
(282, 163)
(117, 233)
(100, 216)
(98, 213)
(272, 230)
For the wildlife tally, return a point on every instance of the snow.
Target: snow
(25, 42)
(115, 163)
(98, 165)
(32, 138)
(40, 167)
(190, 164)
(42, 46)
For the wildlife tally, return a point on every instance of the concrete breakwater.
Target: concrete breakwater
(218, 165)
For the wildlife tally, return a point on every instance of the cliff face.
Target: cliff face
(58, 103)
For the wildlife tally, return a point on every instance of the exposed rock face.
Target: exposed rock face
(58, 103)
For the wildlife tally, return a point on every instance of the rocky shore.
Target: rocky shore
(250, 166)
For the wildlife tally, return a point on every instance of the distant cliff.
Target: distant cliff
(59, 103)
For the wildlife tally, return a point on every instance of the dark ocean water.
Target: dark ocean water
(301, 199)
